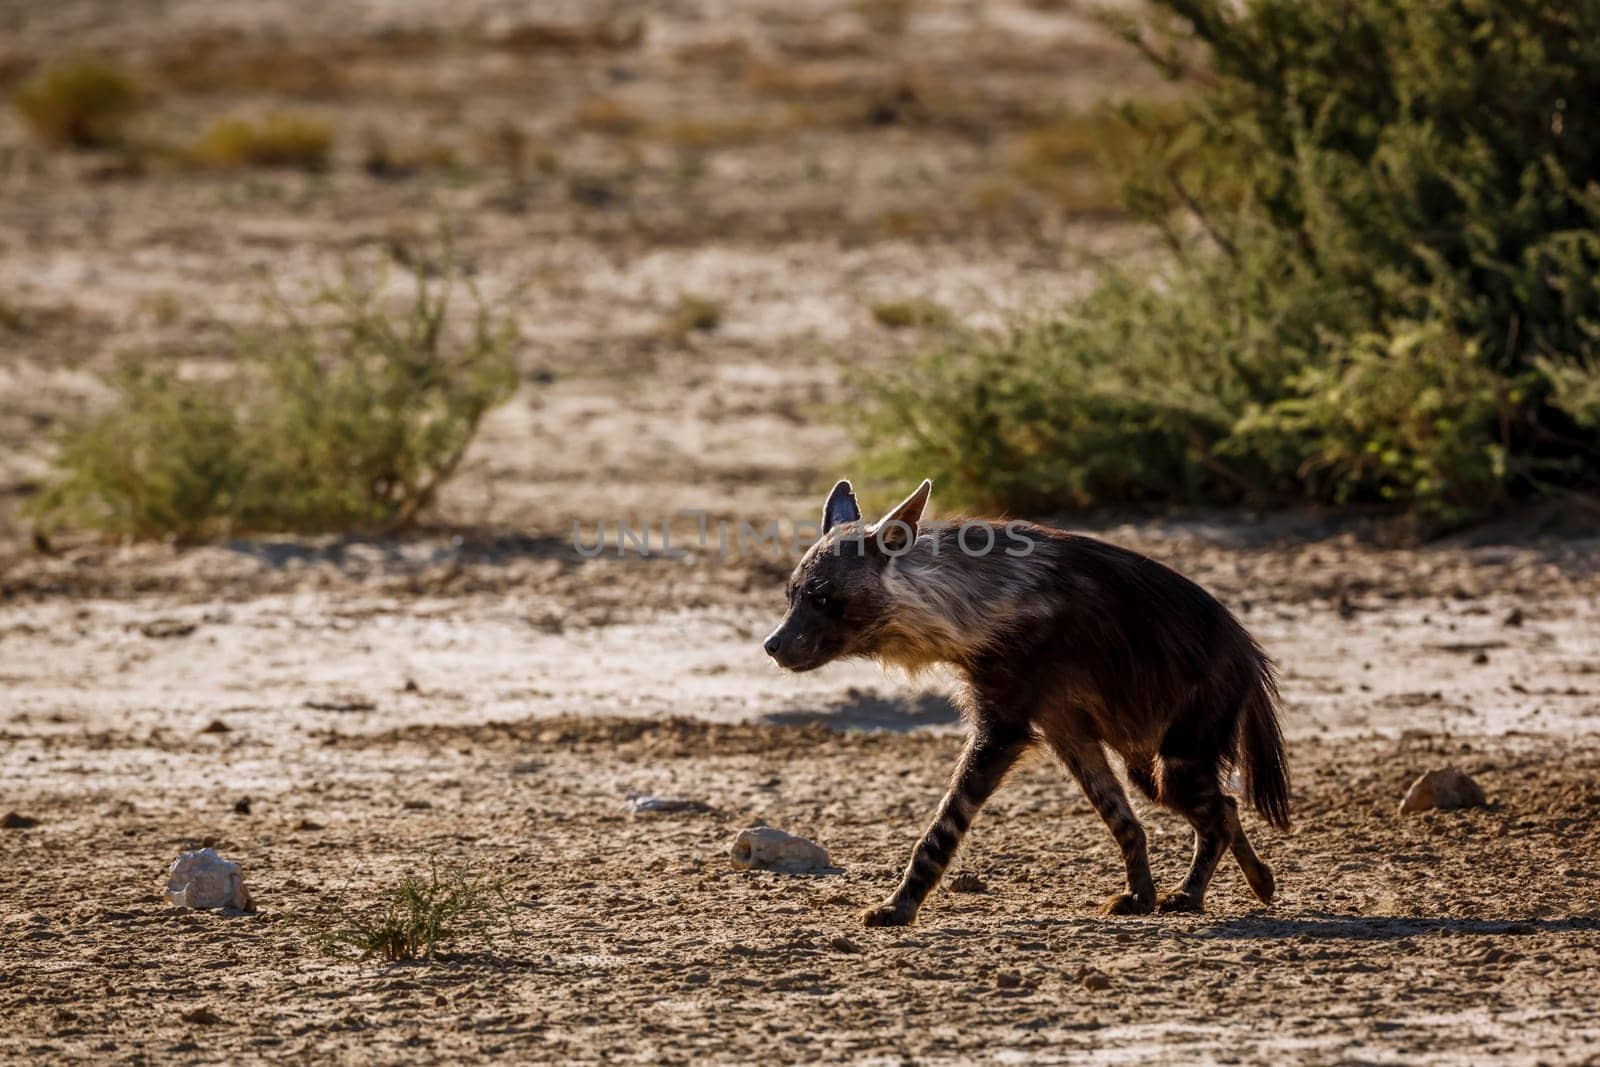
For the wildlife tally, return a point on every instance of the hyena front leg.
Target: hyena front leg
(1087, 762)
(986, 759)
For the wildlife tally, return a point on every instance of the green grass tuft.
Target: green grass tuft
(419, 917)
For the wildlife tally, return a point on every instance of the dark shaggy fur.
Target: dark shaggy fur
(1061, 639)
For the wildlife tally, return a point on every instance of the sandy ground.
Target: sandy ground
(479, 692)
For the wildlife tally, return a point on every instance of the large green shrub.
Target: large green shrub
(349, 418)
(1382, 282)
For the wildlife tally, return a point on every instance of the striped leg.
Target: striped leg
(984, 762)
(1257, 873)
(1191, 788)
(1087, 762)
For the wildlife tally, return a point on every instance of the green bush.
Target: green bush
(1382, 280)
(83, 102)
(349, 419)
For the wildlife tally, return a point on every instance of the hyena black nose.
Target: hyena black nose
(771, 644)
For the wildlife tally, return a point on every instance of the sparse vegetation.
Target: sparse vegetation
(419, 917)
(693, 314)
(1064, 159)
(12, 318)
(913, 313)
(350, 419)
(84, 102)
(1384, 279)
(609, 115)
(278, 140)
(383, 157)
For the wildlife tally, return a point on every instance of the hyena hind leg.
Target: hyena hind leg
(1256, 872)
(1190, 787)
(1087, 762)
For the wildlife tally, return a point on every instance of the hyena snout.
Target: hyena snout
(797, 649)
(789, 651)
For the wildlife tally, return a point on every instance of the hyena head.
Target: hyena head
(839, 602)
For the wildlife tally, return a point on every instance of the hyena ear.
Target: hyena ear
(896, 530)
(841, 507)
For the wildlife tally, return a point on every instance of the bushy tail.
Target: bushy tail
(1263, 767)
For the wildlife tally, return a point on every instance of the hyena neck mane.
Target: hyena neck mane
(950, 604)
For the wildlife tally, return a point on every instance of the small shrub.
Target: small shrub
(419, 917)
(82, 103)
(351, 420)
(914, 313)
(281, 140)
(693, 314)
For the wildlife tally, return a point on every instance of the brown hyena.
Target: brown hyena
(1058, 638)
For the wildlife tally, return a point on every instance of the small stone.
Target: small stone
(13, 820)
(844, 944)
(203, 879)
(1095, 981)
(1480, 657)
(202, 1017)
(342, 703)
(966, 882)
(639, 805)
(1008, 980)
(764, 847)
(1515, 618)
(307, 824)
(411, 686)
(417, 805)
(159, 629)
(1444, 788)
(216, 726)
(241, 806)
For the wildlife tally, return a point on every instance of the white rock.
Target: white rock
(762, 846)
(204, 879)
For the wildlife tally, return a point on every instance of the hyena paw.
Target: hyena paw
(888, 914)
(1262, 884)
(1127, 904)
(1178, 900)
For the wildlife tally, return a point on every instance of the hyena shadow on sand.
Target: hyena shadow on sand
(1333, 927)
(862, 710)
(1059, 641)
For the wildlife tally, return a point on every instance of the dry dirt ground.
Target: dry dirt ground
(480, 693)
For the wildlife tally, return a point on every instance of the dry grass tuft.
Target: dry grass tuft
(80, 103)
(609, 115)
(693, 314)
(912, 313)
(279, 140)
